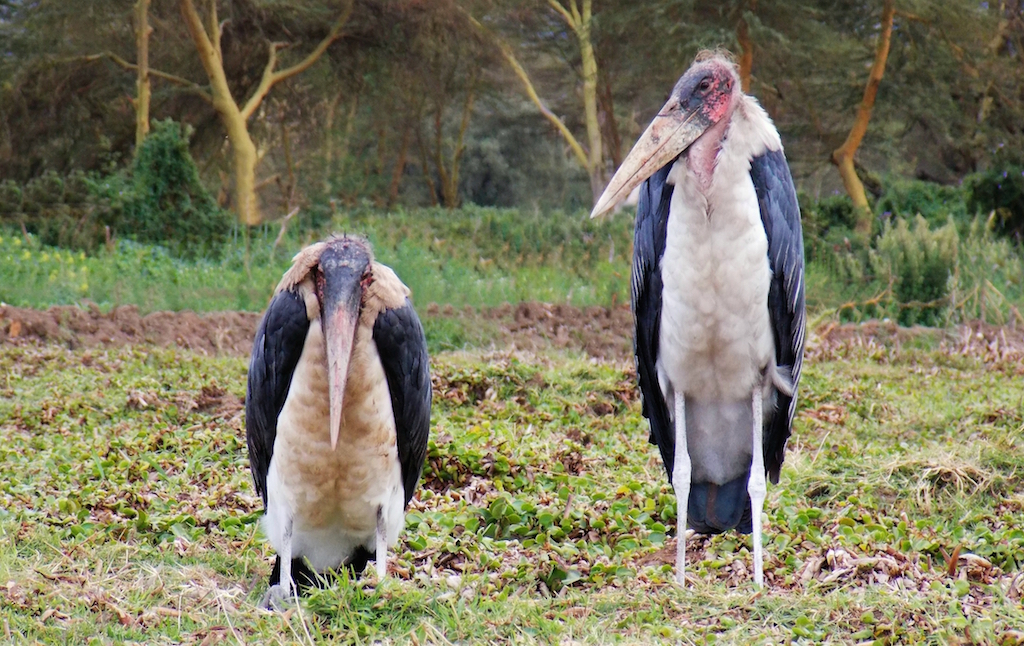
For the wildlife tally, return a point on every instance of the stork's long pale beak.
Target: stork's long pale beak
(671, 132)
(342, 275)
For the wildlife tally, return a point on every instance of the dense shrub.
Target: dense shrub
(161, 201)
(43, 192)
(989, 281)
(10, 198)
(1000, 192)
(828, 226)
(918, 263)
(935, 202)
(167, 203)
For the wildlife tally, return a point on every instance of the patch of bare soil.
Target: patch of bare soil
(213, 333)
(600, 332)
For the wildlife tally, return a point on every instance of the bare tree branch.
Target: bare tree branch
(524, 77)
(117, 60)
(270, 77)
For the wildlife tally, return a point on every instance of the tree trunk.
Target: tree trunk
(332, 109)
(425, 167)
(746, 48)
(842, 157)
(577, 148)
(612, 139)
(451, 190)
(142, 32)
(399, 169)
(235, 118)
(595, 158)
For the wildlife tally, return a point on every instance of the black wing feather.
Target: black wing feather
(276, 350)
(648, 247)
(403, 353)
(780, 214)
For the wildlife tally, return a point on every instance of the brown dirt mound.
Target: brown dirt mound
(600, 332)
(213, 333)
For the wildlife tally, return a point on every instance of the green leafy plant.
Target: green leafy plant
(935, 202)
(168, 203)
(918, 263)
(1000, 192)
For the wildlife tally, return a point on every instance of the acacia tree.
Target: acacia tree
(445, 57)
(746, 62)
(235, 117)
(842, 157)
(578, 16)
(143, 91)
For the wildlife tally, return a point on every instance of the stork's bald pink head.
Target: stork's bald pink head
(704, 97)
(709, 87)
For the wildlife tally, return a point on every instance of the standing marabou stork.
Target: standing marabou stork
(718, 297)
(339, 359)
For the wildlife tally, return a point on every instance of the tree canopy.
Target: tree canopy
(455, 101)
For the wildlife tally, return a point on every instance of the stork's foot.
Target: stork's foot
(278, 598)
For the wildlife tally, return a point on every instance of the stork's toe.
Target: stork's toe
(278, 599)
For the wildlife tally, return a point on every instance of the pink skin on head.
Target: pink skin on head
(718, 107)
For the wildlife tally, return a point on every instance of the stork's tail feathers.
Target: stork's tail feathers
(714, 509)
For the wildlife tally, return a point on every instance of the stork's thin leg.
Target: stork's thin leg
(756, 486)
(681, 483)
(382, 545)
(282, 593)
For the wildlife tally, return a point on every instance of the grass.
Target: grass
(483, 257)
(127, 513)
(472, 257)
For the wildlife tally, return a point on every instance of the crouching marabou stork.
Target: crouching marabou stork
(337, 413)
(718, 297)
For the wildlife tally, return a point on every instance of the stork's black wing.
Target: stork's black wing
(403, 353)
(648, 248)
(780, 215)
(275, 353)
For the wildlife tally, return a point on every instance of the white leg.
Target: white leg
(681, 483)
(284, 592)
(756, 486)
(382, 546)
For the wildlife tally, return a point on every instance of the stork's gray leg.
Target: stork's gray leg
(756, 486)
(278, 596)
(681, 483)
(382, 545)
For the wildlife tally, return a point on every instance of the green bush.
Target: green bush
(167, 203)
(1000, 192)
(43, 191)
(10, 197)
(828, 226)
(989, 281)
(935, 202)
(918, 263)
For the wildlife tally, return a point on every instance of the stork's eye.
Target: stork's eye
(705, 85)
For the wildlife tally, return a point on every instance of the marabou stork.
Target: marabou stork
(717, 296)
(337, 413)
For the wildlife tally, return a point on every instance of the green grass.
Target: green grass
(483, 257)
(471, 257)
(127, 512)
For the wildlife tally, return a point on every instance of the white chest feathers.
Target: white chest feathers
(332, 496)
(715, 328)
